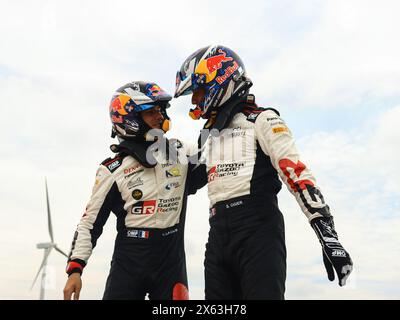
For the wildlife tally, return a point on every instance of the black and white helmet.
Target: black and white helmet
(128, 101)
(218, 70)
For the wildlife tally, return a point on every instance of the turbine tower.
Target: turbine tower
(47, 246)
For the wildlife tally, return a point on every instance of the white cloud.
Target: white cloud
(347, 58)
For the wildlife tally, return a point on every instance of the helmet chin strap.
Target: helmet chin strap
(113, 133)
(211, 120)
(221, 117)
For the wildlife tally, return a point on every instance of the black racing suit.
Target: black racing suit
(150, 206)
(246, 254)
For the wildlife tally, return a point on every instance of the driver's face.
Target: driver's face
(198, 96)
(153, 117)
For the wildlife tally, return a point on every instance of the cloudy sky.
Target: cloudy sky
(330, 67)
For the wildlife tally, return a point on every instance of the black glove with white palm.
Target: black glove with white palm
(335, 256)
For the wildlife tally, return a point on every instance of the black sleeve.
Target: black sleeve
(197, 177)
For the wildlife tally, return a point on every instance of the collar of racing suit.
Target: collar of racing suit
(135, 149)
(222, 119)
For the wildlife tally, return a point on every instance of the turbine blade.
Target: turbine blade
(46, 255)
(60, 251)
(48, 214)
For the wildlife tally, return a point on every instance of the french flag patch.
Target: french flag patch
(138, 234)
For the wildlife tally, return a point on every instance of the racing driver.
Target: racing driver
(247, 149)
(146, 188)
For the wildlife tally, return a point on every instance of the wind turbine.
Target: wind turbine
(47, 246)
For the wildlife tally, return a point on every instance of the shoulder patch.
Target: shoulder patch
(112, 164)
(252, 117)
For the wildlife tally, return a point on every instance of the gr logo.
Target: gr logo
(144, 207)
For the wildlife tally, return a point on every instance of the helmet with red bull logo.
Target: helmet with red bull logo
(218, 70)
(127, 103)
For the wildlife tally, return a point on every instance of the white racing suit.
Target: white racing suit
(150, 206)
(245, 254)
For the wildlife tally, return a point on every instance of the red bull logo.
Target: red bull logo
(228, 72)
(210, 66)
(154, 90)
(215, 63)
(118, 104)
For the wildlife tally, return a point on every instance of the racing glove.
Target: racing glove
(335, 257)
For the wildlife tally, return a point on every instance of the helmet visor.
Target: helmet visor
(189, 84)
(183, 85)
(143, 107)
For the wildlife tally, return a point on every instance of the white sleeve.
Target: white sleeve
(97, 212)
(277, 142)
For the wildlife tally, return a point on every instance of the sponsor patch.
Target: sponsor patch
(278, 122)
(129, 172)
(212, 174)
(135, 183)
(224, 170)
(238, 132)
(112, 164)
(339, 253)
(330, 240)
(153, 90)
(132, 169)
(137, 194)
(168, 205)
(133, 173)
(228, 72)
(174, 172)
(172, 185)
(167, 164)
(252, 117)
(137, 234)
(144, 207)
(280, 129)
(132, 125)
